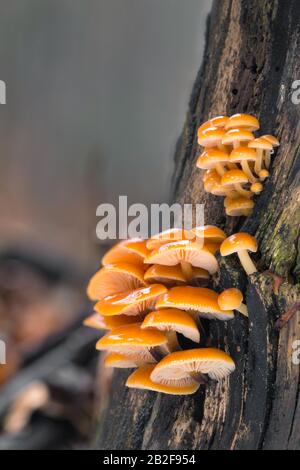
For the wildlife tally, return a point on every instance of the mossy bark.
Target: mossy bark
(250, 63)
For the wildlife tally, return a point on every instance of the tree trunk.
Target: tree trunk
(250, 63)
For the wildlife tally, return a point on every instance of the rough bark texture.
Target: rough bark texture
(251, 60)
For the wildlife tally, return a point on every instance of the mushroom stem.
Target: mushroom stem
(220, 169)
(268, 154)
(258, 163)
(198, 377)
(246, 262)
(172, 344)
(187, 270)
(246, 169)
(241, 191)
(243, 309)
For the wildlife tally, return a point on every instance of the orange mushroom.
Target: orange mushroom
(133, 251)
(241, 243)
(242, 121)
(260, 145)
(232, 299)
(167, 236)
(115, 278)
(140, 378)
(238, 206)
(235, 179)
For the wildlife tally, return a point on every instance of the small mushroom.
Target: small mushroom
(275, 143)
(172, 320)
(238, 206)
(242, 121)
(199, 301)
(235, 178)
(218, 121)
(243, 155)
(194, 365)
(134, 303)
(256, 187)
(133, 342)
(188, 254)
(114, 279)
(210, 179)
(263, 174)
(260, 144)
(209, 233)
(241, 243)
(167, 275)
(213, 158)
(211, 137)
(232, 299)
(140, 378)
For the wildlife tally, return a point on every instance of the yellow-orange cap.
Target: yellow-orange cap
(131, 303)
(198, 300)
(177, 368)
(128, 251)
(272, 139)
(140, 378)
(210, 178)
(232, 177)
(237, 242)
(132, 341)
(210, 157)
(237, 135)
(115, 278)
(190, 252)
(172, 319)
(168, 236)
(242, 154)
(238, 206)
(245, 121)
(260, 143)
(167, 275)
(256, 187)
(120, 361)
(209, 233)
(230, 299)
(210, 137)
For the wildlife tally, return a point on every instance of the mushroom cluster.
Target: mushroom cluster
(150, 291)
(236, 161)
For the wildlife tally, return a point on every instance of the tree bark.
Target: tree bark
(250, 63)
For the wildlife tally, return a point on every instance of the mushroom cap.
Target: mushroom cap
(210, 178)
(218, 121)
(264, 174)
(238, 206)
(115, 278)
(167, 236)
(256, 187)
(140, 378)
(211, 136)
(177, 367)
(272, 139)
(95, 321)
(98, 321)
(245, 121)
(130, 251)
(220, 190)
(198, 300)
(260, 143)
(243, 154)
(120, 361)
(210, 233)
(135, 302)
(212, 247)
(172, 319)
(132, 341)
(233, 135)
(210, 157)
(230, 299)
(237, 242)
(232, 177)
(168, 275)
(190, 252)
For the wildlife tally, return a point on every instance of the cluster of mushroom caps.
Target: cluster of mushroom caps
(236, 162)
(149, 291)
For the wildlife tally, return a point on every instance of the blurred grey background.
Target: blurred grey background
(97, 92)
